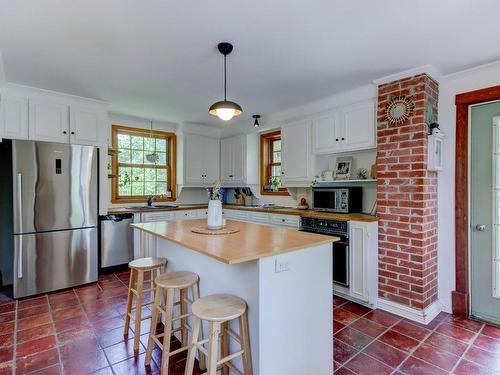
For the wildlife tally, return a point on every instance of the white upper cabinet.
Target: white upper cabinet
(39, 115)
(201, 160)
(87, 125)
(296, 153)
(347, 128)
(358, 126)
(13, 117)
(48, 121)
(239, 160)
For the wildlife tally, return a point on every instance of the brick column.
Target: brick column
(407, 197)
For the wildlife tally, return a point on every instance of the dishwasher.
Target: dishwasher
(117, 240)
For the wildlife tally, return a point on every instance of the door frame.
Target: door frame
(461, 295)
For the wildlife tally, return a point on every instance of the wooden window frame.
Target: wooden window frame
(171, 165)
(266, 163)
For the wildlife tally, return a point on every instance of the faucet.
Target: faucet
(151, 200)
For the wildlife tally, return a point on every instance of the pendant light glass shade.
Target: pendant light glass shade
(225, 109)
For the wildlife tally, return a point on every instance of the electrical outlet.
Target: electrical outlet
(281, 265)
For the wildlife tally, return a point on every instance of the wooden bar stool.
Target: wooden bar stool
(136, 287)
(219, 310)
(166, 285)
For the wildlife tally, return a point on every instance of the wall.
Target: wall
(451, 85)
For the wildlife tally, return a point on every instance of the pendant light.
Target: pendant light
(152, 157)
(225, 109)
(256, 122)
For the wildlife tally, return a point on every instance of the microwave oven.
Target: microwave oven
(338, 199)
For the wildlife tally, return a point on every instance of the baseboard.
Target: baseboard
(424, 316)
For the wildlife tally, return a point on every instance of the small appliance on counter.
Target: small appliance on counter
(340, 200)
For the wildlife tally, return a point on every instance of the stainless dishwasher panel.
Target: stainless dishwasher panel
(117, 241)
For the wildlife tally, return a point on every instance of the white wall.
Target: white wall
(451, 85)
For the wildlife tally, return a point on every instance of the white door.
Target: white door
(358, 126)
(226, 165)
(238, 151)
(324, 130)
(211, 160)
(13, 117)
(295, 152)
(194, 171)
(86, 126)
(48, 121)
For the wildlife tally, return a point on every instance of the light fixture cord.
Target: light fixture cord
(225, 80)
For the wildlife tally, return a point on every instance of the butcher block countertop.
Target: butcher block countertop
(252, 242)
(282, 211)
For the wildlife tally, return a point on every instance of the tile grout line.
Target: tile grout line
(55, 333)
(462, 357)
(14, 362)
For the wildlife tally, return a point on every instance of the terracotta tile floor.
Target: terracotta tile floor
(374, 342)
(79, 331)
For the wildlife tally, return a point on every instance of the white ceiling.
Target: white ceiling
(158, 59)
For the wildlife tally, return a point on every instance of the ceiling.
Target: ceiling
(158, 59)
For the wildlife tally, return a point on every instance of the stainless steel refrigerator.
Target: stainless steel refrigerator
(55, 199)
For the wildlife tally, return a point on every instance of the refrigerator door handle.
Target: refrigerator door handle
(20, 223)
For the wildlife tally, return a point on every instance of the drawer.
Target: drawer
(157, 216)
(191, 214)
(237, 215)
(202, 213)
(259, 217)
(285, 220)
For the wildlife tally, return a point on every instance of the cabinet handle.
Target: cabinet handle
(65, 132)
(231, 175)
(336, 139)
(343, 138)
(283, 220)
(282, 172)
(72, 132)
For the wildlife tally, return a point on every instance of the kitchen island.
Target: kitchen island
(284, 275)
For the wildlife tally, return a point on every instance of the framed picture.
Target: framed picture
(343, 167)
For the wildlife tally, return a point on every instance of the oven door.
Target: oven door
(341, 262)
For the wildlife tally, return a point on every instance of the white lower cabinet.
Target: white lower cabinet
(189, 214)
(290, 221)
(363, 251)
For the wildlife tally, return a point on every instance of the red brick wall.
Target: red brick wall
(407, 197)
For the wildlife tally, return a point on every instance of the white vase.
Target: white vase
(214, 219)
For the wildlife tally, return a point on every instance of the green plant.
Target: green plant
(275, 183)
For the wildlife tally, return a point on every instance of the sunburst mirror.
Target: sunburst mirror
(399, 109)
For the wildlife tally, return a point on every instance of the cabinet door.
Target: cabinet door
(358, 250)
(211, 160)
(86, 126)
(48, 121)
(13, 117)
(238, 151)
(325, 133)
(295, 154)
(358, 126)
(194, 171)
(226, 165)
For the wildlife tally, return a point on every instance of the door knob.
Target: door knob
(480, 227)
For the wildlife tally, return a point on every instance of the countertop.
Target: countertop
(252, 242)
(283, 211)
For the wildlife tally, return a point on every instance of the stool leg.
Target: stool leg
(138, 310)
(201, 357)
(130, 297)
(224, 346)
(213, 346)
(245, 344)
(192, 348)
(154, 323)
(169, 307)
(183, 321)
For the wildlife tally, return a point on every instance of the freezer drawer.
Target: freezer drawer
(49, 261)
(117, 242)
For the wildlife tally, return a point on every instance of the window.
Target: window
(270, 155)
(144, 165)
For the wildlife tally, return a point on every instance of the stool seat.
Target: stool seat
(219, 307)
(177, 280)
(147, 263)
